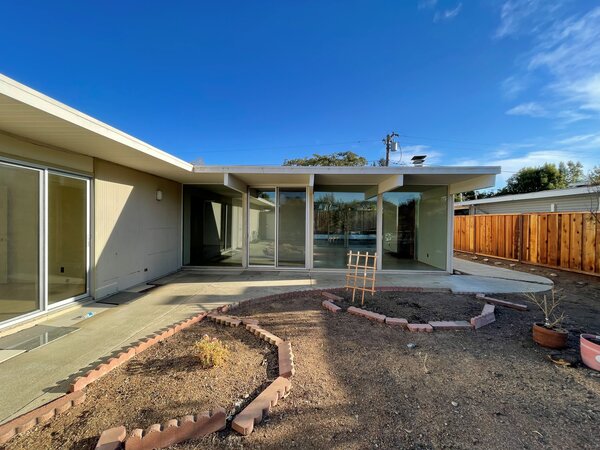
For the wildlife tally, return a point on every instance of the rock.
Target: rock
(512, 265)
(411, 345)
(533, 269)
(553, 274)
(485, 259)
(474, 257)
(454, 404)
(498, 263)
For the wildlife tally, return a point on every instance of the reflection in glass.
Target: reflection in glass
(414, 228)
(67, 237)
(212, 226)
(261, 228)
(292, 228)
(19, 241)
(344, 220)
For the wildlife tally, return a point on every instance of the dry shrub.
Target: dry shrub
(211, 352)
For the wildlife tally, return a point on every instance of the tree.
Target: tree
(572, 172)
(334, 159)
(593, 181)
(534, 179)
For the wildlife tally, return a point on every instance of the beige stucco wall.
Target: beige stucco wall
(137, 238)
(19, 149)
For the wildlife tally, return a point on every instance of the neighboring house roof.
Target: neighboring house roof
(28, 114)
(554, 193)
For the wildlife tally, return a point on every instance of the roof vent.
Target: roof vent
(418, 160)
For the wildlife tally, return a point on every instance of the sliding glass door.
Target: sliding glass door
(67, 237)
(261, 227)
(277, 227)
(44, 235)
(19, 241)
(291, 239)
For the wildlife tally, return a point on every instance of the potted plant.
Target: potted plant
(549, 333)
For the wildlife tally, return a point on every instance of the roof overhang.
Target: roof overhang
(458, 178)
(29, 114)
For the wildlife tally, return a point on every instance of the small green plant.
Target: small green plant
(211, 352)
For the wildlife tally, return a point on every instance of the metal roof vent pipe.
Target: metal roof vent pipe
(418, 160)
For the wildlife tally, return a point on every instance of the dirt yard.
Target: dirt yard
(162, 383)
(358, 385)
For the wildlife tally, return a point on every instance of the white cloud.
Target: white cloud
(531, 109)
(513, 86)
(515, 13)
(447, 14)
(408, 151)
(564, 57)
(514, 156)
(427, 4)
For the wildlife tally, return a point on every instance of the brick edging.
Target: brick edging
(260, 407)
(164, 435)
(446, 325)
(124, 356)
(39, 415)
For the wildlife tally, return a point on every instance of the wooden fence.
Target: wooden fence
(568, 241)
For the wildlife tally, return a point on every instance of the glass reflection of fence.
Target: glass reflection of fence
(361, 273)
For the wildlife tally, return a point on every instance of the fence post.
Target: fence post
(475, 220)
(520, 239)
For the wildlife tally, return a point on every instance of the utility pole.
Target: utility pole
(390, 145)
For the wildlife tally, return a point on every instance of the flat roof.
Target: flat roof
(29, 114)
(527, 196)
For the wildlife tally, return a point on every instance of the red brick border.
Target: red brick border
(177, 430)
(447, 325)
(103, 368)
(39, 415)
(260, 407)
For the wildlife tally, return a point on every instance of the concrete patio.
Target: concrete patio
(40, 375)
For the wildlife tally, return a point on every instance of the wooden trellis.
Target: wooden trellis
(361, 273)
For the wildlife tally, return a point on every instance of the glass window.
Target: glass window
(19, 241)
(261, 228)
(415, 228)
(292, 228)
(212, 230)
(344, 220)
(67, 237)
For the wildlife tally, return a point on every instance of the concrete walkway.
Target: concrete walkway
(40, 375)
(484, 270)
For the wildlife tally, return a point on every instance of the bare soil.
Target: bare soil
(162, 383)
(417, 308)
(359, 386)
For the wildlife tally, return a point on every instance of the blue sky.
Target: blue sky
(514, 82)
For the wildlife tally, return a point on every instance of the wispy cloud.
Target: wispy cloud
(535, 152)
(408, 151)
(531, 109)
(427, 4)
(447, 14)
(564, 58)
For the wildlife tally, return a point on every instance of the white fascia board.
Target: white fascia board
(342, 170)
(233, 182)
(39, 101)
(480, 182)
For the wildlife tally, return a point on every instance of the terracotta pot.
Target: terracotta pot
(549, 338)
(590, 351)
